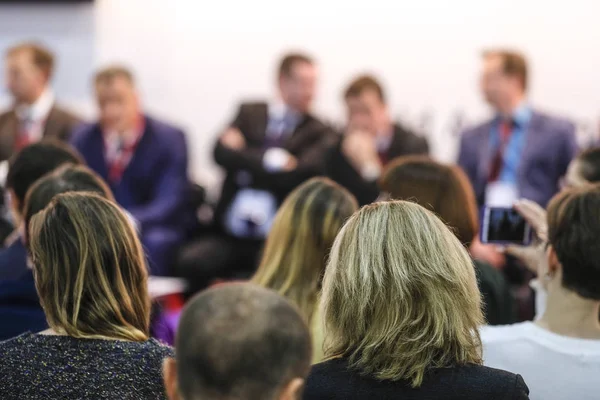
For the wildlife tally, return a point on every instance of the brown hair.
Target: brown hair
(42, 57)
(89, 269)
(362, 84)
(289, 60)
(107, 75)
(513, 64)
(443, 189)
(573, 231)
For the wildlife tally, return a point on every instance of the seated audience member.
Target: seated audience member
(402, 310)
(144, 162)
(298, 246)
(267, 150)
(90, 273)
(20, 309)
(239, 341)
(26, 167)
(445, 190)
(559, 353)
(585, 168)
(372, 139)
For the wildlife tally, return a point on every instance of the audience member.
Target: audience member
(585, 168)
(34, 114)
(445, 190)
(25, 168)
(268, 150)
(402, 310)
(144, 162)
(91, 277)
(370, 142)
(521, 152)
(239, 341)
(559, 354)
(20, 309)
(298, 246)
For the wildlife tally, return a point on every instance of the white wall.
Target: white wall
(196, 61)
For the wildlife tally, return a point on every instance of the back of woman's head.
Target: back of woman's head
(443, 189)
(589, 164)
(89, 269)
(300, 239)
(400, 295)
(69, 178)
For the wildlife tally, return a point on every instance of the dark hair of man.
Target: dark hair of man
(108, 74)
(290, 60)
(41, 57)
(363, 84)
(573, 232)
(35, 161)
(513, 64)
(589, 164)
(240, 341)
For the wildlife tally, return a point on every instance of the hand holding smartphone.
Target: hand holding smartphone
(500, 225)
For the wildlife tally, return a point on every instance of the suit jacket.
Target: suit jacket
(334, 380)
(20, 309)
(339, 168)
(550, 144)
(59, 125)
(155, 183)
(13, 261)
(308, 143)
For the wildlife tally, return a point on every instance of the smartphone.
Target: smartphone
(504, 226)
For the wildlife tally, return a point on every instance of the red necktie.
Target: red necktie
(506, 127)
(24, 135)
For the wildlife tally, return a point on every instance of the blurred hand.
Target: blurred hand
(359, 147)
(233, 139)
(291, 164)
(533, 256)
(488, 253)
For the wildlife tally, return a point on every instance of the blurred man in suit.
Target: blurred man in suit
(372, 139)
(520, 152)
(268, 149)
(34, 113)
(143, 160)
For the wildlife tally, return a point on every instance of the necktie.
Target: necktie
(506, 128)
(24, 134)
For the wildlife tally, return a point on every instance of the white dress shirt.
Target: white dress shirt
(34, 116)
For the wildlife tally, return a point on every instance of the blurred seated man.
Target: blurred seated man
(372, 139)
(143, 160)
(267, 150)
(239, 341)
(25, 168)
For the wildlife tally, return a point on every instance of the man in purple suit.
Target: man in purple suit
(143, 160)
(520, 152)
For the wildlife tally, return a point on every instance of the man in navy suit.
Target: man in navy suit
(520, 152)
(143, 160)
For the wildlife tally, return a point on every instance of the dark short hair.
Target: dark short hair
(67, 178)
(363, 84)
(589, 162)
(108, 74)
(240, 341)
(290, 60)
(42, 57)
(35, 161)
(573, 232)
(513, 64)
(443, 189)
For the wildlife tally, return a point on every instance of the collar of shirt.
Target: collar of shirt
(279, 111)
(39, 110)
(520, 116)
(115, 142)
(384, 141)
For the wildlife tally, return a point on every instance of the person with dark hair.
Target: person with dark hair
(584, 169)
(24, 169)
(445, 190)
(239, 341)
(372, 139)
(145, 163)
(29, 68)
(558, 354)
(20, 309)
(266, 151)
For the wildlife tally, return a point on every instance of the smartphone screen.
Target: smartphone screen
(504, 225)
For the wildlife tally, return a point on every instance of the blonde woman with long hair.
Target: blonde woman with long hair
(298, 246)
(91, 278)
(402, 309)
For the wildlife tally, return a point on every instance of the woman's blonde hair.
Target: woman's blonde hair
(298, 245)
(400, 295)
(89, 269)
